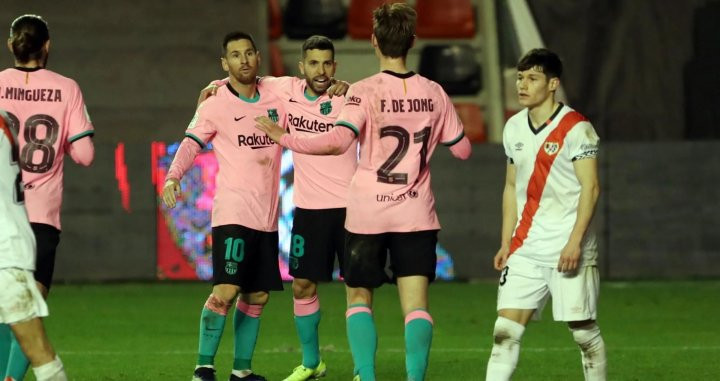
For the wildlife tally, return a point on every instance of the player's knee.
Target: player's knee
(359, 298)
(225, 293)
(259, 298)
(507, 332)
(303, 288)
(580, 324)
(586, 335)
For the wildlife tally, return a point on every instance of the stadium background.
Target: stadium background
(141, 65)
(644, 71)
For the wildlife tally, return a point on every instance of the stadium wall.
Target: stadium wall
(141, 64)
(657, 217)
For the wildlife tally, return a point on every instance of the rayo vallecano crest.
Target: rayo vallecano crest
(551, 148)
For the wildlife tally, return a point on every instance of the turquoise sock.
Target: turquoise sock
(418, 338)
(246, 333)
(307, 328)
(18, 364)
(5, 340)
(362, 337)
(212, 325)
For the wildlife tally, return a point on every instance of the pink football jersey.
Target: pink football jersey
(249, 162)
(50, 113)
(399, 120)
(321, 182)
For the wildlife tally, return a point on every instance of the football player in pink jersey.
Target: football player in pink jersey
(245, 207)
(547, 246)
(21, 304)
(320, 191)
(399, 118)
(49, 112)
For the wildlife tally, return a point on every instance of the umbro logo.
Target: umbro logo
(239, 119)
(518, 147)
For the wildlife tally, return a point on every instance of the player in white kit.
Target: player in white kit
(21, 304)
(547, 248)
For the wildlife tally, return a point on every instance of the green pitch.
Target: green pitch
(654, 331)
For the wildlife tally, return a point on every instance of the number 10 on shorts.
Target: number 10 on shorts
(234, 249)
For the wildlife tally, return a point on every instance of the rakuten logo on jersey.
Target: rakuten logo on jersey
(255, 141)
(312, 126)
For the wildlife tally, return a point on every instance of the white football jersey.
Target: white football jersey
(17, 241)
(546, 186)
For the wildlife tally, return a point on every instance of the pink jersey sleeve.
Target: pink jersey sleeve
(201, 128)
(334, 142)
(452, 127)
(461, 149)
(183, 160)
(82, 151)
(200, 131)
(79, 125)
(282, 87)
(353, 115)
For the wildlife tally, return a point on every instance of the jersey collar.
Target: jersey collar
(399, 75)
(547, 122)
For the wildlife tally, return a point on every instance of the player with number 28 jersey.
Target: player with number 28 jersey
(50, 114)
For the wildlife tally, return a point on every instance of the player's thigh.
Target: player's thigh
(575, 295)
(20, 299)
(261, 272)
(230, 253)
(365, 258)
(413, 253)
(522, 286)
(47, 238)
(313, 244)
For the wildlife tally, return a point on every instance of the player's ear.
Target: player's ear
(373, 41)
(301, 67)
(554, 83)
(9, 45)
(47, 46)
(224, 64)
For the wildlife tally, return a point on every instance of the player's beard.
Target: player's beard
(246, 79)
(316, 87)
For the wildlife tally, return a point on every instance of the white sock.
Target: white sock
(242, 372)
(52, 371)
(592, 348)
(505, 350)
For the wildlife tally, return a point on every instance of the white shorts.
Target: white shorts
(526, 286)
(20, 299)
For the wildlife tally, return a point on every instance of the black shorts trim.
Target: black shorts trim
(411, 253)
(318, 237)
(246, 257)
(47, 238)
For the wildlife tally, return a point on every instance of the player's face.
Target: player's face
(241, 61)
(534, 87)
(318, 67)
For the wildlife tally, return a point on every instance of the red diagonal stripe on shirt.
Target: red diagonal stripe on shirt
(538, 179)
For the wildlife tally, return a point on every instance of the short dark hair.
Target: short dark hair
(544, 59)
(28, 35)
(394, 28)
(234, 36)
(318, 42)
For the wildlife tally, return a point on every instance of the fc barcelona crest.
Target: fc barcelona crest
(551, 148)
(231, 268)
(273, 115)
(325, 108)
